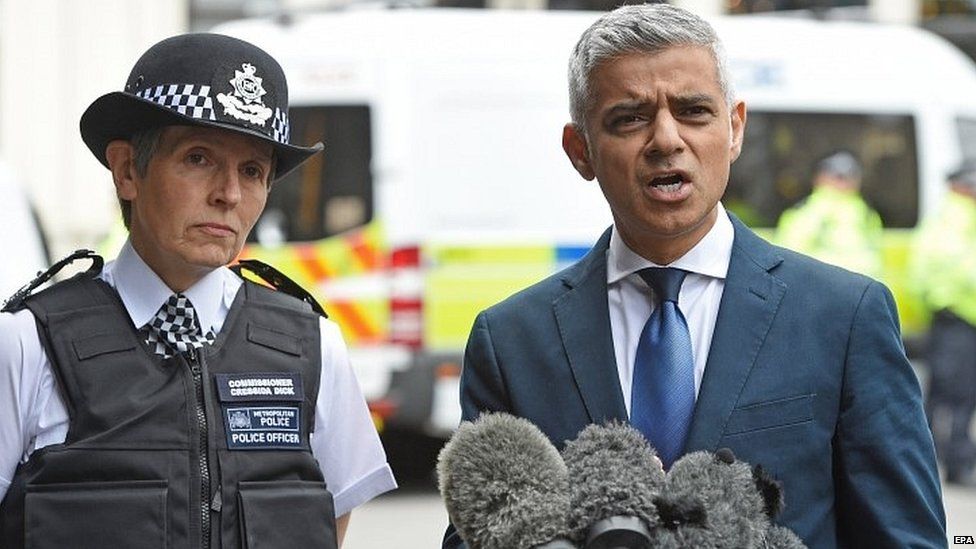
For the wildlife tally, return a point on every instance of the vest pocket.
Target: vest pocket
(92, 515)
(295, 513)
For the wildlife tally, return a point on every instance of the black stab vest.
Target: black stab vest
(158, 448)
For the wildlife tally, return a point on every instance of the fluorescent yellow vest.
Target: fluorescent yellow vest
(943, 264)
(836, 227)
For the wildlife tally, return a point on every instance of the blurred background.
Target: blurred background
(444, 189)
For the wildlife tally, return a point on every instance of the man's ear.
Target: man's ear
(121, 161)
(574, 143)
(738, 115)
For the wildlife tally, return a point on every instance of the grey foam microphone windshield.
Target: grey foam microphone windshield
(504, 485)
(713, 501)
(615, 477)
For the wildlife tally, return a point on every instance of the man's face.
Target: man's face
(964, 189)
(660, 138)
(202, 193)
(839, 182)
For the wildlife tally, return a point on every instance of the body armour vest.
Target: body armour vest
(209, 448)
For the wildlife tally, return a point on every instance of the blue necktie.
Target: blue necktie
(663, 394)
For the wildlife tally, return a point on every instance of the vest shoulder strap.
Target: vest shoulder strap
(79, 291)
(287, 289)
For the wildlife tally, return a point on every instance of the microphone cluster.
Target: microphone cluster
(505, 486)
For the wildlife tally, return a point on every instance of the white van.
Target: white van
(21, 237)
(444, 187)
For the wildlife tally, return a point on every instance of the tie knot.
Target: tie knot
(179, 310)
(665, 281)
(175, 327)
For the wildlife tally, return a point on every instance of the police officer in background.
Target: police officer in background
(163, 401)
(944, 273)
(834, 224)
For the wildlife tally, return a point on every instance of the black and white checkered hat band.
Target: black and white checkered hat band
(194, 101)
(279, 126)
(187, 99)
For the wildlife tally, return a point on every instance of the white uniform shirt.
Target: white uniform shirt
(631, 302)
(33, 415)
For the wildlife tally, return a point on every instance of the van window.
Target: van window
(967, 137)
(774, 170)
(333, 191)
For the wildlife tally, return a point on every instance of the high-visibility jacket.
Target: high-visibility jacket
(209, 448)
(943, 262)
(837, 227)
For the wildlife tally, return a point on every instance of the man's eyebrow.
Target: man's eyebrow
(627, 106)
(694, 99)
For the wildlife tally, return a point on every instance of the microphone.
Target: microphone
(711, 500)
(505, 485)
(616, 477)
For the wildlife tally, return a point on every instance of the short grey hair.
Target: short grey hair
(644, 28)
(144, 144)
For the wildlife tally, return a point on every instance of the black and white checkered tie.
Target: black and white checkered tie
(175, 327)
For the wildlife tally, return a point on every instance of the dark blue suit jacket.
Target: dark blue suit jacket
(806, 375)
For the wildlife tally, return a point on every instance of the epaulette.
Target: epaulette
(278, 281)
(16, 302)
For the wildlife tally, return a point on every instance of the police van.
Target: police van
(444, 188)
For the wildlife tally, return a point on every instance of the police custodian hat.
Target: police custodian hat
(199, 79)
(841, 164)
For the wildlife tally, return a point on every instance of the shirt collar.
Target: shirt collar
(709, 257)
(143, 292)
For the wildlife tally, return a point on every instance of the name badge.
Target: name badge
(272, 387)
(263, 428)
(262, 411)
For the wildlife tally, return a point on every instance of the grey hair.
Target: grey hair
(144, 145)
(645, 28)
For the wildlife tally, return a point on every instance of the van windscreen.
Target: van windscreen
(774, 171)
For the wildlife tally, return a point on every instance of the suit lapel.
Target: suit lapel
(749, 302)
(583, 317)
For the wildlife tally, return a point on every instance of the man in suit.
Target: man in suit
(789, 362)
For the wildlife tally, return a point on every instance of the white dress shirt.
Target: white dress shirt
(631, 302)
(33, 415)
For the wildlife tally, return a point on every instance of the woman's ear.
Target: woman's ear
(121, 161)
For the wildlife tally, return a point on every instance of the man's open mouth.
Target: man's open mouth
(668, 183)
